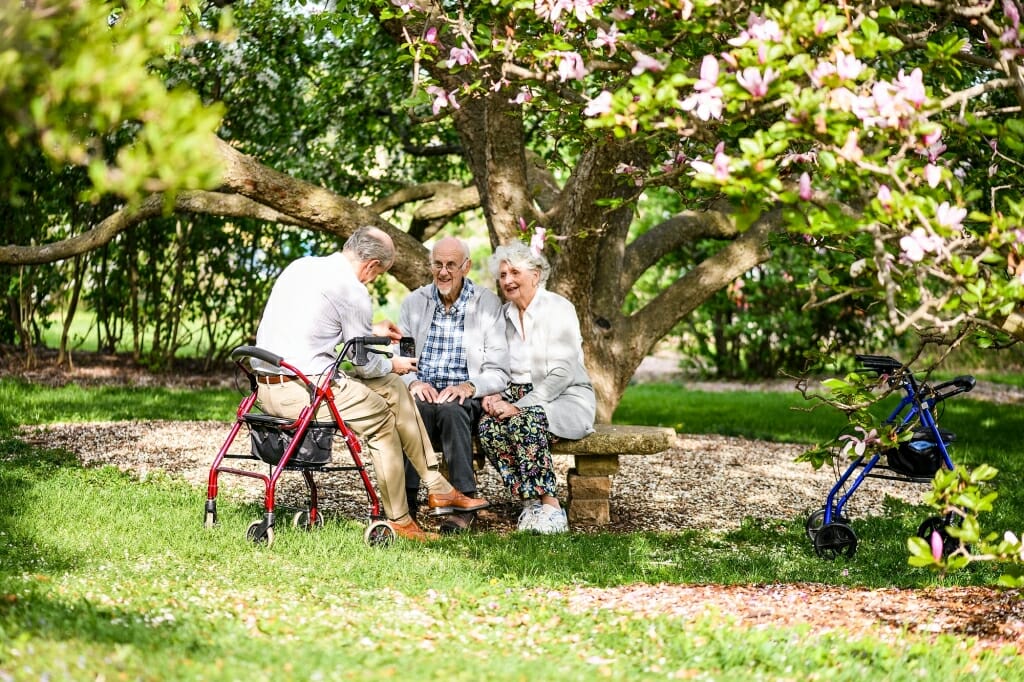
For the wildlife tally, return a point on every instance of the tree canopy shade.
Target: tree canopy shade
(885, 138)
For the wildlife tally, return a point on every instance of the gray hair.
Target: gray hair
(371, 243)
(520, 256)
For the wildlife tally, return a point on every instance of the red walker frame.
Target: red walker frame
(261, 531)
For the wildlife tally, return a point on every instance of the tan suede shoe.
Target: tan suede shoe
(411, 531)
(449, 503)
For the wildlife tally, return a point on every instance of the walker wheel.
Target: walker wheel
(301, 520)
(817, 519)
(835, 539)
(379, 534)
(254, 535)
(935, 524)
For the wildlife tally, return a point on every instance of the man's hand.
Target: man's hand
(400, 365)
(460, 392)
(421, 390)
(387, 328)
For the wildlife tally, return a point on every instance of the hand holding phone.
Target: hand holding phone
(407, 347)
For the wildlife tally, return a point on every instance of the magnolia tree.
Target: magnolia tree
(883, 136)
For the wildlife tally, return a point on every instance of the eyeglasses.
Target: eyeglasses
(450, 267)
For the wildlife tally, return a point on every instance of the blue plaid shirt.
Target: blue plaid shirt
(443, 361)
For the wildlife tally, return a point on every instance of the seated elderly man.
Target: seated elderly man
(463, 356)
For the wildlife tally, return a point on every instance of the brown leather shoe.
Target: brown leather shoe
(411, 531)
(449, 503)
(457, 523)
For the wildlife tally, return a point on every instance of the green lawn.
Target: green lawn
(104, 576)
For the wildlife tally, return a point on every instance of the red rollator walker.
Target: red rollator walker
(298, 445)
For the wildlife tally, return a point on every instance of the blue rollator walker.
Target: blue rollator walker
(915, 460)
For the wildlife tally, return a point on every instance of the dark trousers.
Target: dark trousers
(451, 427)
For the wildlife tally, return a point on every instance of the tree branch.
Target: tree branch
(657, 318)
(680, 229)
(320, 209)
(153, 206)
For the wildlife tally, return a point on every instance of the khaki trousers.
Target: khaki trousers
(383, 413)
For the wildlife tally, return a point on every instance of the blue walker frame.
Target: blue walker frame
(827, 528)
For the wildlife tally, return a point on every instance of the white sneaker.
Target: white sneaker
(551, 520)
(528, 517)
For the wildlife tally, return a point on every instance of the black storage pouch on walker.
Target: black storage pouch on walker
(920, 457)
(269, 443)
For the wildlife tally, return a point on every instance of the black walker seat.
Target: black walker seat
(301, 445)
(916, 460)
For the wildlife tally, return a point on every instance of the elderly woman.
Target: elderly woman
(550, 396)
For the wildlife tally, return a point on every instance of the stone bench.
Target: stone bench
(596, 460)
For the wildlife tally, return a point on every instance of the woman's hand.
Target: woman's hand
(500, 408)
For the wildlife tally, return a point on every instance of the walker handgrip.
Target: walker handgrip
(961, 384)
(377, 340)
(258, 353)
(880, 364)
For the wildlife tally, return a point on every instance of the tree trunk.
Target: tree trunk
(64, 353)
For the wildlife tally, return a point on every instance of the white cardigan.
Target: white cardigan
(561, 384)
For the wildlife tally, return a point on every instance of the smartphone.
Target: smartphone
(407, 347)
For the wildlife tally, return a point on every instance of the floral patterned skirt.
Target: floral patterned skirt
(519, 447)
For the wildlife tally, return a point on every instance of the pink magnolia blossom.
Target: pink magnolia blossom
(706, 102)
(431, 35)
(851, 150)
(758, 30)
(884, 196)
(950, 216)
(709, 71)
(859, 444)
(609, 39)
(537, 240)
(932, 137)
(601, 104)
(936, 544)
(805, 187)
(405, 5)
(844, 99)
(705, 105)
(719, 169)
(524, 95)
(932, 175)
(934, 151)
(895, 104)
(462, 55)
(645, 63)
(551, 10)
(1012, 13)
(442, 98)
(754, 82)
(821, 72)
(848, 67)
(919, 242)
(570, 66)
(912, 87)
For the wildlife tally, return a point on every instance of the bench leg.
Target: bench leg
(590, 490)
